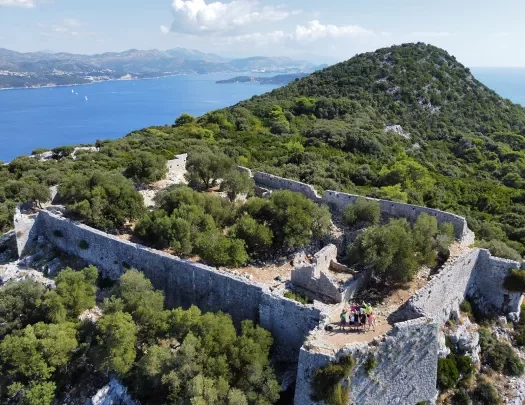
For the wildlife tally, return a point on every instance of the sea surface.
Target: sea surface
(507, 82)
(49, 117)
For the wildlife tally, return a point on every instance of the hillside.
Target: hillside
(407, 123)
(37, 69)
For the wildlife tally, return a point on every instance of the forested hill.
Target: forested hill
(407, 123)
(416, 85)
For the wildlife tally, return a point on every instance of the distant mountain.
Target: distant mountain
(279, 79)
(38, 69)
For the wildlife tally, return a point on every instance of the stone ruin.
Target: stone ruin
(322, 277)
(406, 355)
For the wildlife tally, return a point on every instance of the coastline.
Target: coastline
(96, 81)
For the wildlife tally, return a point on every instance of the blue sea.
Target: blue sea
(49, 117)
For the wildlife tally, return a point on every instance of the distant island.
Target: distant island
(279, 79)
(44, 69)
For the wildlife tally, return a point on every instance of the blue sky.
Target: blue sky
(478, 33)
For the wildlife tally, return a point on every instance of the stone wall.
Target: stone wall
(25, 230)
(280, 183)
(475, 274)
(186, 283)
(338, 201)
(443, 294)
(319, 283)
(488, 291)
(405, 372)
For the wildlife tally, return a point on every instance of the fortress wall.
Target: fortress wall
(443, 294)
(488, 292)
(186, 283)
(405, 372)
(25, 231)
(280, 183)
(339, 201)
(289, 322)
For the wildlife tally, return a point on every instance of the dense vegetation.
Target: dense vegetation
(179, 356)
(395, 251)
(225, 234)
(465, 152)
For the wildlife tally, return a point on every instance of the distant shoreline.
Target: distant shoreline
(133, 80)
(94, 82)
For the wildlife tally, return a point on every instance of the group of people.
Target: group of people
(358, 318)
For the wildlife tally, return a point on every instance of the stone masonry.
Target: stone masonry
(405, 372)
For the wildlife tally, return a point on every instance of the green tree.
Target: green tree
(389, 250)
(105, 200)
(20, 305)
(39, 193)
(145, 167)
(76, 290)
(145, 304)
(258, 237)
(184, 119)
(116, 338)
(235, 183)
(363, 211)
(221, 250)
(205, 167)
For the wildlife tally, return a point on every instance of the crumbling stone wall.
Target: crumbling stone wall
(405, 373)
(488, 291)
(186, 283)
(339, 201)
(475, 274)
(314, 276)
(280, 183)
(25, 230)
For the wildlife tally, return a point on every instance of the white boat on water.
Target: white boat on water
(86, 98)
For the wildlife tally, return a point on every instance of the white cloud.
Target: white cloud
(314, 30)
(198, 17)
(17, 3)
(165, 30)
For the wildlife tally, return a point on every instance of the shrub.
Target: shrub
(498, 355)
(500, 249)
(145, 167)
(466, 307)
(448, 374)
(370, 365)
(220, 250)
(84, 245)
(515, 281)
(486, 394)
(327, 380)
(363, 211)
(298, 297)
(461, 397)
(519, 332)
(258, 237)
(388, 249)
(57, 233)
